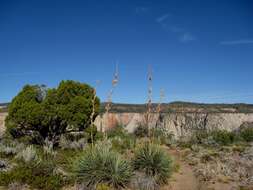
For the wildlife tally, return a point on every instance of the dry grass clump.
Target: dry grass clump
(17, 186)
(142, 182)
(28, 154)
(79, 144)
(10, 148)
(48, 148)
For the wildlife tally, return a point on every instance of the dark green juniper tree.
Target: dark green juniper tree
(39, 113)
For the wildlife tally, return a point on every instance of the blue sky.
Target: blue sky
(200, 51)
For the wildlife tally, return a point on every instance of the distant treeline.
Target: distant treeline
(4, 104)
(182, 107)
(4, 107)
(174, 107)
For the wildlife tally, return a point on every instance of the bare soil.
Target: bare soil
(185, 178)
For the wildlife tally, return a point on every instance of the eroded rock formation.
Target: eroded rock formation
(180, 124)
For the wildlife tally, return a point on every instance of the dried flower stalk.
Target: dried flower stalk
(93, 110)
(159, 108)
(149, 104)
(108, 106)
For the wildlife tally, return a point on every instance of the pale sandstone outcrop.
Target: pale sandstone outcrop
(2, 119)
(178, 123)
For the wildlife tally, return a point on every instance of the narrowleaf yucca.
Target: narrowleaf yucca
(154, 162)
(101, 165)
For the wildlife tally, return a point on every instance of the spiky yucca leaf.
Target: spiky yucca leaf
(102, 165)
(153, 161)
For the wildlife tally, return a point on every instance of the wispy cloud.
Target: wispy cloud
(141, 10)
(187, 37)
(18, 74)
(237, 42)
(162, 18)
(184, 36)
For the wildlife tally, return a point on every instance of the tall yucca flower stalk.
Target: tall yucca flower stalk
(149, 103)
(159, 106)
(93, 110)
(108, 106)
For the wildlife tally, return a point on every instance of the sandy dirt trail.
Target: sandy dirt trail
(184, 179)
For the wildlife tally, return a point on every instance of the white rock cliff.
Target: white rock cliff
(180, 124)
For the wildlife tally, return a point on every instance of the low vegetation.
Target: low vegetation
(121, 140)
(246, 132)
(220, 156)
(101, 165)
(52, 143)
(32, 167)
(38, 176)
(154, 162)
(28, 155)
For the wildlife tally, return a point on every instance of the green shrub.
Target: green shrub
(62, 162)
(121, 140)
(33, 138)
(117, 131)
(199, 136)
(91, 133)
(121, 144)
(247, 134)
(102, 165)
(184, 142)
(99, 136)
(224, 137)
(141, 131)
(39, 176)
(219, 137)
(162, 135)
(153, 161)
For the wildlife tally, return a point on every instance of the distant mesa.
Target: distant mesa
(173, 107)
